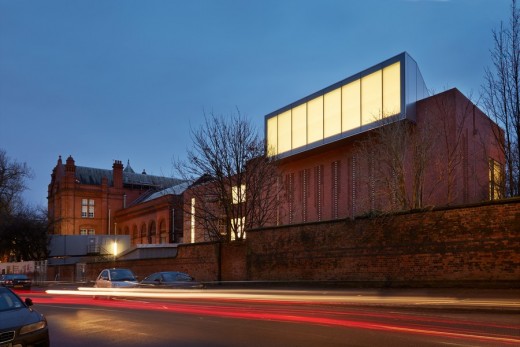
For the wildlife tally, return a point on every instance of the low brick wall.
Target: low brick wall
(234, 261)
(474, 245)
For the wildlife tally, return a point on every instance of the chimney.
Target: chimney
(117, 174)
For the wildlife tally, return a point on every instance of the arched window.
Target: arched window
(143, 233)
(163, 233)
(135, 235)
(152, 233)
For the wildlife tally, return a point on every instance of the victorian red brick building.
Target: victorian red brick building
(91, 201)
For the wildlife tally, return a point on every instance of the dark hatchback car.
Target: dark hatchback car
(15, 281)
(21, 325)
(170, 279)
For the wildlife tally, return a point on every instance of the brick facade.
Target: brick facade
(474, 245)
(118, 201)
(340, 180)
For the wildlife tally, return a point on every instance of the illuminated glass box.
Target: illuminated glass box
(359, 103)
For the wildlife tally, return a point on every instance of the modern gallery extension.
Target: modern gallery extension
(377, 142)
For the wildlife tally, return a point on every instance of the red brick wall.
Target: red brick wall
(234, 261)
(476, 245)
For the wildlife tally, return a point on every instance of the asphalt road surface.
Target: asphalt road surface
(272, 318)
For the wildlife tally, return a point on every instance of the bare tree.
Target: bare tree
(234, 181)
(398, 154)
(502, 95)
(12, 183)
(23, 235)
(23, 229)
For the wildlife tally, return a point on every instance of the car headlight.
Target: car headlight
(29, 328)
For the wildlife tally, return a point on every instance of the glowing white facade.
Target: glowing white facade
(354, 105)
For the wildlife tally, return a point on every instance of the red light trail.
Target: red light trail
(301, 312)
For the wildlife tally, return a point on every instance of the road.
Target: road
(274, 318)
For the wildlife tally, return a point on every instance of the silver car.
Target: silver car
(116, 278)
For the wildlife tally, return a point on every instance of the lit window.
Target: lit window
(495, 180)
(192, 222)
(87, 208)
(87, 232)
(238, 194)
(238, 225)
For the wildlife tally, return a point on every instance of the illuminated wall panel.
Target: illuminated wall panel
(284, 132)
(332, 113)
(299, 126)
(392, 90)
(315, 120)
(351, 106)
(272, 136)
(371, 97)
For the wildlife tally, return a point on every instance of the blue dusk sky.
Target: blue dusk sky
(106, 80)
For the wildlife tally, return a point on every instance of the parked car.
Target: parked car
(170, 279)
(15, 281)
(20, 324)
(116, 278)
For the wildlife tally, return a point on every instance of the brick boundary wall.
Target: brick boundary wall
(470, 246)
(477, 245)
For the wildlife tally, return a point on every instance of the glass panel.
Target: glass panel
(315, 120)
(284, 132)
(351, 106)
(371, 97)
(332, 117)
(299, 126)
(272, 136)
(392, 90)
